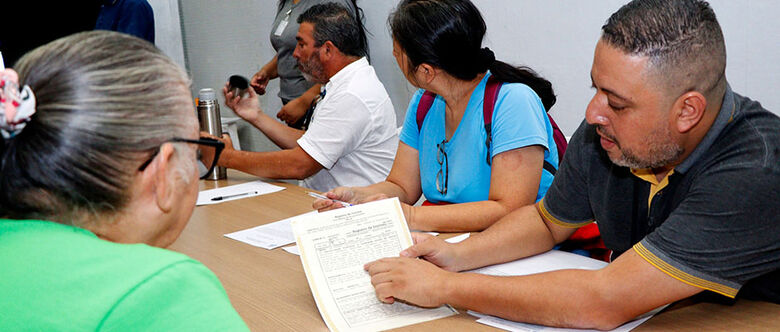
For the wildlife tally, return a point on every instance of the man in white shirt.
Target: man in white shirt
(351, 139)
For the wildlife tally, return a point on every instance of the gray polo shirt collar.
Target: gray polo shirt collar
(725, 115)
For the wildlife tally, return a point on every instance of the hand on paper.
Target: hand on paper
(407, 279)
(247, 107)
(344, 194)
(432, 249)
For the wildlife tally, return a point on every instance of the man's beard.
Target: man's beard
(312, 69)
(661, 150)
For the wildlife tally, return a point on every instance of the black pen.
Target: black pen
(219, 198)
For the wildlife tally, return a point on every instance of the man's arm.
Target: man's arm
(600, 299)
(521, 233)
(292, 163)
(283, 136)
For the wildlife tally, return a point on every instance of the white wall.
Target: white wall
(557, 38)
(554, 37)
(167, 29)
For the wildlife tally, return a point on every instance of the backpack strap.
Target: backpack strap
(492, 87)
(426, 100)
(560, 139)
(488, 105)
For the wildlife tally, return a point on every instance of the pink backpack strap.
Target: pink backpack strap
(560, 139)
(492, 87)
(426, 100)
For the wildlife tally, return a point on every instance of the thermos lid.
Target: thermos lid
(207, 94)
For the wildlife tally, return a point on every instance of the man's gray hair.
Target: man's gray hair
(105, 102)
(681, 38)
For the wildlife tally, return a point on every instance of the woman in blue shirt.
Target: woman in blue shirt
(438, 46)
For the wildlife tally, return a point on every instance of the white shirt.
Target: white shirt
(353, 130)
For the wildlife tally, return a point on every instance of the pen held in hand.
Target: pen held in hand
(219, 198)
(316, 195)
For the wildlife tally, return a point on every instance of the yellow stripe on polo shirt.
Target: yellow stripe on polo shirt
(546, 215)
(682, 276)
(655, 185)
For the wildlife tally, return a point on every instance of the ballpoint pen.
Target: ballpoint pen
(313, 194)
(219, 198)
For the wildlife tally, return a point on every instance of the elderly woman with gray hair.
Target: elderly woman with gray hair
(98, 172)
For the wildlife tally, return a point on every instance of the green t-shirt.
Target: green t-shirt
(55, 277)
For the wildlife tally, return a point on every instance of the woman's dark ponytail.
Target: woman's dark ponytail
(505, 72)
(448, 34)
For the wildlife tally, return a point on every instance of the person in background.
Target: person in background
(681, 172)
(352, 137)
(297, 94)
(133, 17)
(438, 46)
(98, 174)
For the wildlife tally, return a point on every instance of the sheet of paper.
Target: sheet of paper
(458, 238)
(549, 261)
(234, 192)
(269, 236)
(293, 250)
(525, 327)
(335, 245)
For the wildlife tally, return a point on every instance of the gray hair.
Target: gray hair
(105, 102)
(336, 23)
(681, 38)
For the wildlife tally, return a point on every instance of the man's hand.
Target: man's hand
(248, 107)
(293, 111)
(260, 80)
(412, 280)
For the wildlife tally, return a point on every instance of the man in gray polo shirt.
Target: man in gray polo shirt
(681, 173)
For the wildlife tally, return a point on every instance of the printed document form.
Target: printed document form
(334, 246)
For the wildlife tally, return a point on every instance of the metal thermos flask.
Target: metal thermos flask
(210, 122)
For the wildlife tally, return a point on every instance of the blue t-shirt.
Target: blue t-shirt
(519, 120)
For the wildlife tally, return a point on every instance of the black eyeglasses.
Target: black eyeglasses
(442, 176)
(207, 148)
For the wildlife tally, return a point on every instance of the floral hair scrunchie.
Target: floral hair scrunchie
(16, 105)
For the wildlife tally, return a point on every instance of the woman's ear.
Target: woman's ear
(427, 73)
(164, 173)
